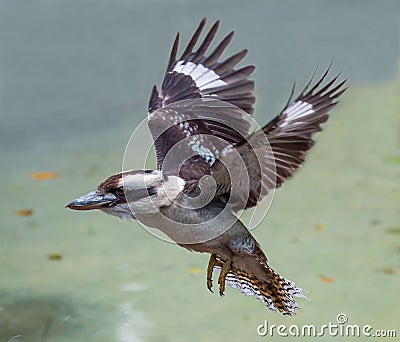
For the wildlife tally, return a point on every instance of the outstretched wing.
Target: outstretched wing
(290, 133)
(196, 75)
(290, 136)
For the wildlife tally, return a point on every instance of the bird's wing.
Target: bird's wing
(185, 144)
(196, 75)
(274, 153)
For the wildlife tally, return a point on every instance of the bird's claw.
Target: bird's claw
(226, 267)
(212, 262)
(222, 276)
(222, 289)
(209, 285)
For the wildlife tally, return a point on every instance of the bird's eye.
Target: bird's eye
(119, 191)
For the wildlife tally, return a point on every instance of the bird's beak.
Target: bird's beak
(92, 200)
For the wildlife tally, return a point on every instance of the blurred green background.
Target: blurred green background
(75, 78)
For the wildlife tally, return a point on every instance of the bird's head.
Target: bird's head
(131, 192)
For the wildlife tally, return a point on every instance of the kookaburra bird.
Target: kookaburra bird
(212, 163)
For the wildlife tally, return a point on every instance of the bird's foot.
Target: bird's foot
(226, 267)
(211, 263)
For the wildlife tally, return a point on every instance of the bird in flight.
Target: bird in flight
(213, 162)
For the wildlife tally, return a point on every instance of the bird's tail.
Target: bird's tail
(275, 291)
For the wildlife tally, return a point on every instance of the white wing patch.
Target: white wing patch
(196, 143)
(203, 77)
(296, 110)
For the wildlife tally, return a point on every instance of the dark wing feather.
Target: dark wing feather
(198, 75)
(209, 76)
(290, 136)
(291, 133)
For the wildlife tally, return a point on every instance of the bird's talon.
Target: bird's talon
(222, 276)
(210, 285)
(211, 263)
(221, 292)
(221, 283)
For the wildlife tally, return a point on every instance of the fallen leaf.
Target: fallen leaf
(326, 279)
(320, 226)
(393, 230)
(55, 256)
(24, 212)
(194, 270)
(44, 175)
(389, 270)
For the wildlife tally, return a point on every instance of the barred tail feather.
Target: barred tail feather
(275, 291)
